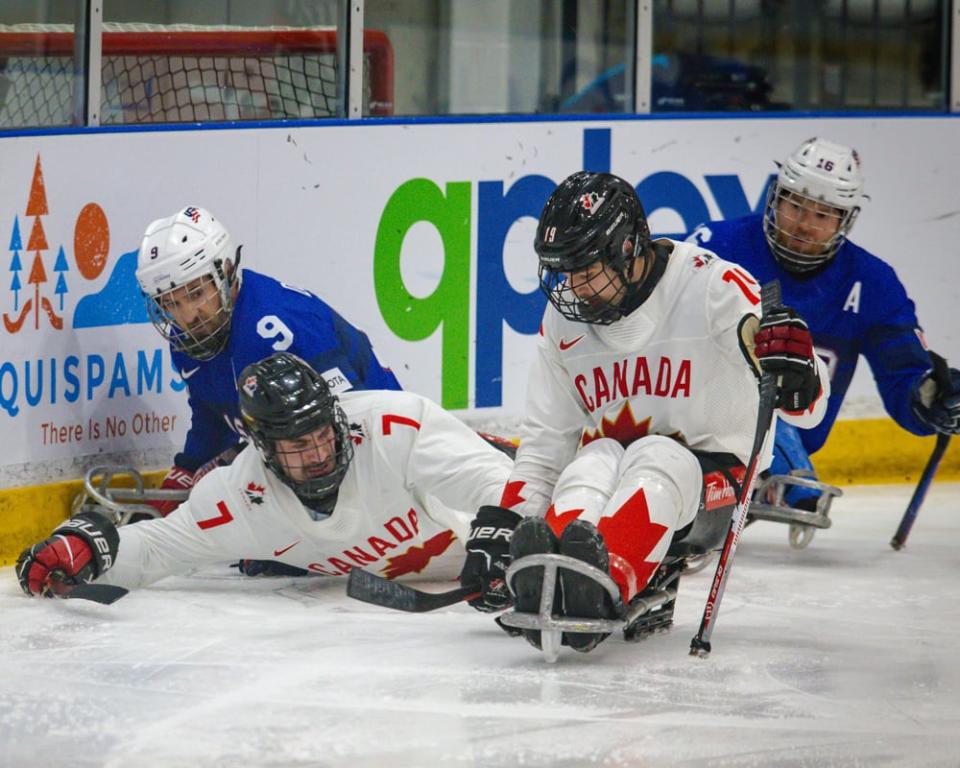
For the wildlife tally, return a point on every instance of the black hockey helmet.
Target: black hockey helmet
(283, 398)
(590, 217)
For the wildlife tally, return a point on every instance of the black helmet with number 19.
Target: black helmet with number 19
(590, 232)
(298, 426)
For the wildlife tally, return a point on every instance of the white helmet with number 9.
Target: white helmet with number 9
(826, 180)
(188, 273)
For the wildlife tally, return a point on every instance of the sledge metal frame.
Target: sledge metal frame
(121, 503)
(769, 505)
(551, 626)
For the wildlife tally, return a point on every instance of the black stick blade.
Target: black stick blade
(105, 594)
(370, 588)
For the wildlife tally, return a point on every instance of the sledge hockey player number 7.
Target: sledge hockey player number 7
(700, 644)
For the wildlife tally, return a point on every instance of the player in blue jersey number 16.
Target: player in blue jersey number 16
(854, 304)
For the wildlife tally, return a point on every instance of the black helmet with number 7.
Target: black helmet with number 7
(298, 426)
(591, 219)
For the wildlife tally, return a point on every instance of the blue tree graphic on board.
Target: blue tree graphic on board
(61, 267)
(16, 245)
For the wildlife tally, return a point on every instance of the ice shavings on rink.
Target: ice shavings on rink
(840, 654)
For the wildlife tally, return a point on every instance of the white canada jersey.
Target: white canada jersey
(417, 476)
(679, 365)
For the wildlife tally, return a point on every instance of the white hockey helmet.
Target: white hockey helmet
(825, 173)
(188, 252)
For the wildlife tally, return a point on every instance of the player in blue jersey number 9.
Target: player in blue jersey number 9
(218, 319)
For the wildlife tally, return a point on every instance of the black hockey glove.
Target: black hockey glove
(939, 410)
(80, 550)
(488, 556)
(784, 347)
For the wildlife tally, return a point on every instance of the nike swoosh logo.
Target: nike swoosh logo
(565, 345)
(278, 552)
(187, 374)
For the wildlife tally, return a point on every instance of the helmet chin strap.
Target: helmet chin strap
(654, 265)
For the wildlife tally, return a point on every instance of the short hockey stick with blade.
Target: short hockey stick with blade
(370, 588)
(700, 644)
(941, 374)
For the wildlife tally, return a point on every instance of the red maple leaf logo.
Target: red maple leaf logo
(559, 521)
(416, 558)
(624, 428)
(631, 536)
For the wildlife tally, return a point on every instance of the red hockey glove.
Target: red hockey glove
(80, 550)
(784, 347)
(177, 479)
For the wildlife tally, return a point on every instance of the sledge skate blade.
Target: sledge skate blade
(778, 511)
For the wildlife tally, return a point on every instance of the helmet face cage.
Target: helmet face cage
(824, 178)
(208, 335)
(283, 399)
(778, 235)
(189, 274)
(589, 234)
(595, 294)
(315, 454)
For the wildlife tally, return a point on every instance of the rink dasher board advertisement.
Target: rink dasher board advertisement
(420, 234)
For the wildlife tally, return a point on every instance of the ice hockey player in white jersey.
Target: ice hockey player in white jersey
(642, 405)
(369, 479)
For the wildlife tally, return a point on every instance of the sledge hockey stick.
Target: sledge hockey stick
(941, 374)
(370, 588)
(700, 644)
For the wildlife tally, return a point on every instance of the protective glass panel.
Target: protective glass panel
(455, 57)
(845, 55)
(38, 88)
(176, 61)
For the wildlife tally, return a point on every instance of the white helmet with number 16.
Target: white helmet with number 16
(188, 273)
(811, 207)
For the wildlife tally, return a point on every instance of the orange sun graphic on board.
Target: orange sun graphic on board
(91, 241)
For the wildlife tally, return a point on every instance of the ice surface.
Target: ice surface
(839, 654)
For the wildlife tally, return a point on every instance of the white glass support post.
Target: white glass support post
(642, 70)
(350, 60)
(955, 56)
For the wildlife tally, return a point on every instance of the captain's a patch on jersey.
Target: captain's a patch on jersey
(337, 382)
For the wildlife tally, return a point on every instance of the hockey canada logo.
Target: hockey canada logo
(250, 385)
(591, 201)
(254, 493)
(357, 434)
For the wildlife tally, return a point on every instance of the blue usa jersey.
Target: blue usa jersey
(270, 317)
(855, 306)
